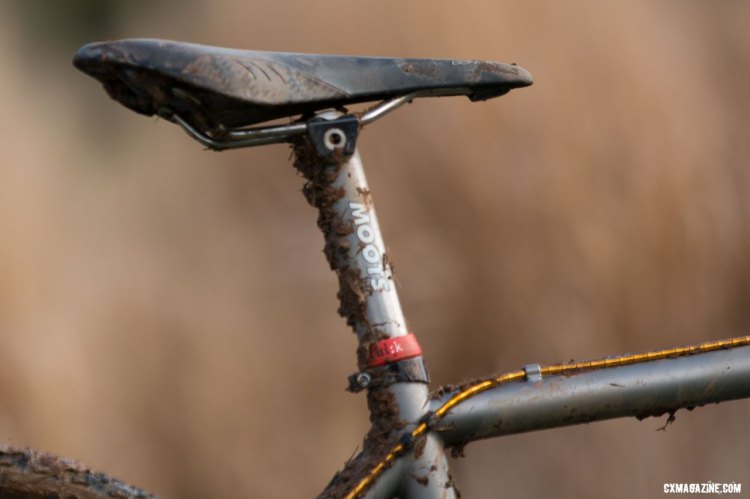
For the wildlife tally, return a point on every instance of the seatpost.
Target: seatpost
(336, 185)
(389, 359)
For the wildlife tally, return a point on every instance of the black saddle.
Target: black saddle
(218, 89)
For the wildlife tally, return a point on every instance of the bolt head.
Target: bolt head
(364, 379)
(334, 139)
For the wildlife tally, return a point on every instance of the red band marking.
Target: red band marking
(393, 350)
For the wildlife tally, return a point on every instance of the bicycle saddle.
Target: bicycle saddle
(217, 89)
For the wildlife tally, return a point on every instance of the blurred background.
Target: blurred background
(166, 313)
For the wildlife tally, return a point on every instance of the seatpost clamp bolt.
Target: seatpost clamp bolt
(364, 379)
(334, 138)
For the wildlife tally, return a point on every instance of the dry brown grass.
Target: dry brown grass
(166, 313)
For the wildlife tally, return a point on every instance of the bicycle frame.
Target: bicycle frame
(404, 451)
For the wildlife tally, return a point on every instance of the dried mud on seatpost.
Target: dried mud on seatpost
(323, 192)
(320, 173)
